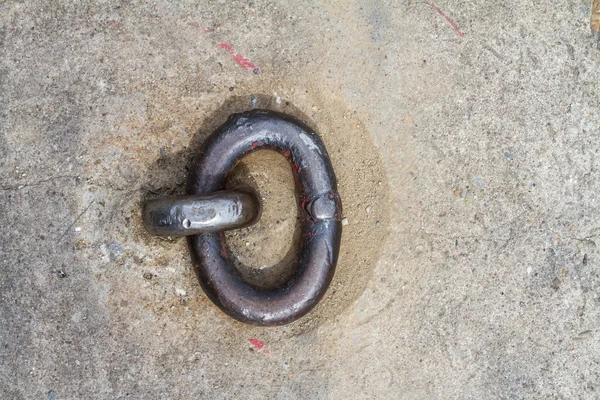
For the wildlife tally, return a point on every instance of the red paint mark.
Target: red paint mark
(223, 246)
(303, 203)
(226, 47)
(238, 58)
(254, 145)
(295, 168)
(287, 153)
(200, 27)
(266, 351)
(257, 344)
(452, 23)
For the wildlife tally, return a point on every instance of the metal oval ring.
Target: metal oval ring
(320, 206)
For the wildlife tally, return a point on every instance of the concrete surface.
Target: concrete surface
(476, 153)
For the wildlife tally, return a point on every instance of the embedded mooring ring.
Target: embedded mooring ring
(320, 205)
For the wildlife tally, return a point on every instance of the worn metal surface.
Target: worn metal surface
(319, 202)
(191, 215)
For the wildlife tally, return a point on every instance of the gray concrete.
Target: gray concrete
(480, 282)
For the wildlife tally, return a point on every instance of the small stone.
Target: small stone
(378, 224)
(61, 274)
(555, 283)
(148, 275)
(180, 292)
(231, 89)
(345, 221)
(256, 71)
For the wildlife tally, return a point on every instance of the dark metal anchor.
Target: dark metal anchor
(207, 211)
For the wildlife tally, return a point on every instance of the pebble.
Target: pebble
(345, 221)
(378, 224)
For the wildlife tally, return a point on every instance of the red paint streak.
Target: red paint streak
(287, 153)
(200, 27)
(295, 169)
(257, 344)
(254, 145)
(266, 351)
(452, 23)
(303, 204)
(244, 62)
(227, 47)
(238, 58)
(223, 246)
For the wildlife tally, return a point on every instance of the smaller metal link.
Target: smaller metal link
(191, 215)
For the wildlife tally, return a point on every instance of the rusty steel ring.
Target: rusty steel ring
(320, 205)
